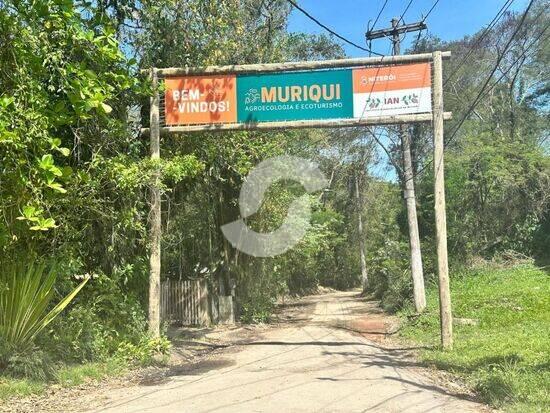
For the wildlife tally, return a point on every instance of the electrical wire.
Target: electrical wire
(430, 11)
(404, 12)
(521, 56)
(378, 16)
(328, 29)
(417, 40)
(499, 59)
(423, 20)
(497, 17)
(484, 93)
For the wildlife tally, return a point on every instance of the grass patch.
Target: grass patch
(79, 374)
(19, 387)
(147, 352)
(66, 376)
(506, 357)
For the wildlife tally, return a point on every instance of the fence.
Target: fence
(184, 302)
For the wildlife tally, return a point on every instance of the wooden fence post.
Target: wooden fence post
(203, 304)
(154, 214)
(446, 319)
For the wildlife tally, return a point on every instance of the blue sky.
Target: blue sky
(451, 19)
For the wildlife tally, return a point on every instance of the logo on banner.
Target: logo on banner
(252, 96)
(323, 94)
(392, 90)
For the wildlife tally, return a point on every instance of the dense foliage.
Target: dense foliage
(497, 153)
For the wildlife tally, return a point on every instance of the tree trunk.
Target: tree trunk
(364, 272)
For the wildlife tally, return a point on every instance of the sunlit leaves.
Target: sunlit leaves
(33, 216)
(61, 74)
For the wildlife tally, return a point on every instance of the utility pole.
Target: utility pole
(408, 185)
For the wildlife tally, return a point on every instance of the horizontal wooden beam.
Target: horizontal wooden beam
(369, 121)
(405, 28)
(296, 66)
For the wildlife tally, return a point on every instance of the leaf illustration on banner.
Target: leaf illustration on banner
(373, 103)
(410, 99)
(252, 96)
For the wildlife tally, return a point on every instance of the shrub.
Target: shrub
(31, 363)
(144, 352)
(80, 336)
(257, 310)
(25, 298)
(102, 319)
(389, 275)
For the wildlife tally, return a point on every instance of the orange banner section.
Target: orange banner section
(381, 79)
(201, 99)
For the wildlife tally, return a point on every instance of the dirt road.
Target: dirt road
(311, 363)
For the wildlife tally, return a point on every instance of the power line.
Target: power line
(430, 11)
(499, 59)
(423, 20)
(500, 13)
(328, 29)
(401, 20)
(524, 53)
(417, 40)
(404, 12)
(521, 56)
(378, 16)
(483, 90)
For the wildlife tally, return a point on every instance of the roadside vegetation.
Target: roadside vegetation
(64, 376)
(501, 351)
(75, 173)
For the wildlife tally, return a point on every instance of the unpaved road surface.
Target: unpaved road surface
(313, 362)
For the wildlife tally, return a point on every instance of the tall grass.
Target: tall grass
(504, 357)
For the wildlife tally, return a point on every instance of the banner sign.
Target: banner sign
(294, 96)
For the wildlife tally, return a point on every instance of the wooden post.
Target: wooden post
(204, 308)
(300, 124)
(440, 215)
(155, 214)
